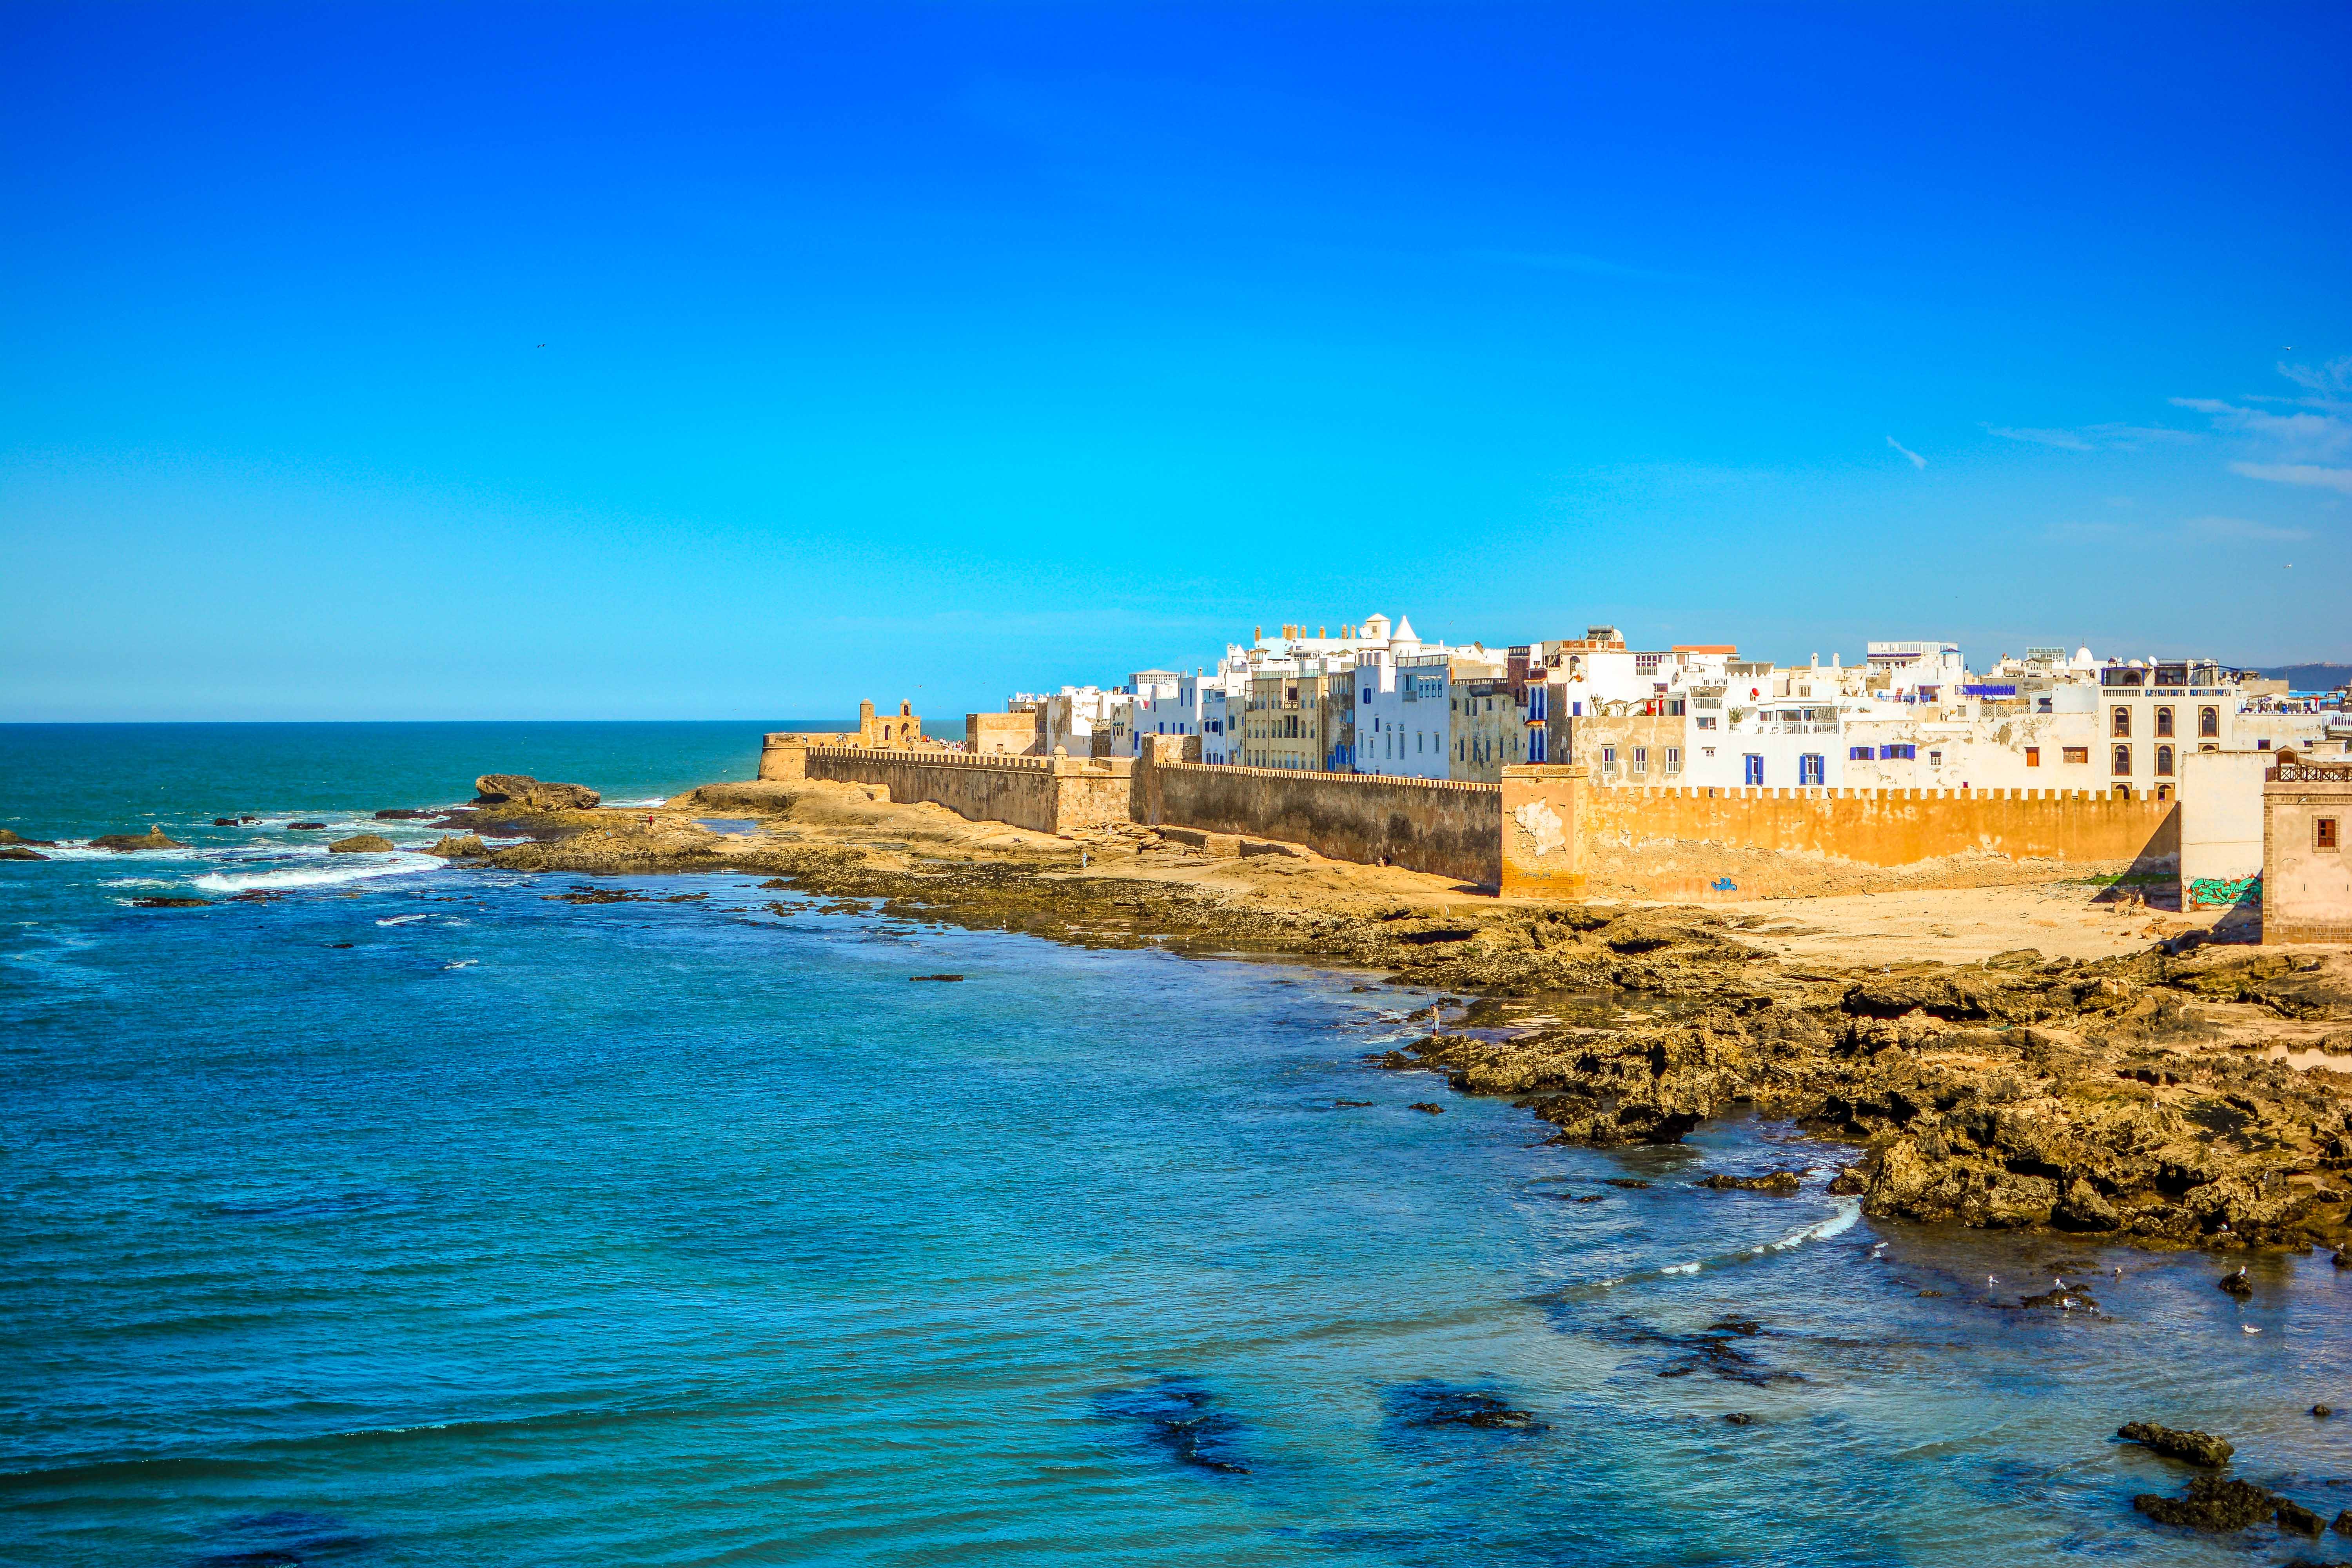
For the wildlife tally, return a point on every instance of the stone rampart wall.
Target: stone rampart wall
(1570, 838)
(1424, 825)
(1045, 794)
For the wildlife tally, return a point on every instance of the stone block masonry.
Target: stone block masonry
(1565, 838)
(1437, 826)
(1045, 794)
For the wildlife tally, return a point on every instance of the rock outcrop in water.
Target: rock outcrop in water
(2194, 1447)
(2212, 1503)
(521, 792)
(450, 845)
(128, 843)
(361, 844)
(2018, 1095)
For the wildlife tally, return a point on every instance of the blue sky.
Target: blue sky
(598, 363)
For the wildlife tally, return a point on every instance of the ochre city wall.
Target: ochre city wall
(1568, 837)
(1548, 831)
(1437, 826)
(1046, 795)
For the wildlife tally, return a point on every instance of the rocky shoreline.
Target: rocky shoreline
(2136, 1099)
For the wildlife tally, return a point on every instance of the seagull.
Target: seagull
(539, 345)
(2248, 1328)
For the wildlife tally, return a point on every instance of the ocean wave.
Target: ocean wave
(136, 882)
(64, 850)
(1847, 1215)
(397, 864)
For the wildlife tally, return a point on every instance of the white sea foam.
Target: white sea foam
(402, 920)
(82, 851)
(1849, 1214)
(326, 875)
(135, 882)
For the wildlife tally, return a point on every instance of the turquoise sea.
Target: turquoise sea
(411, 1216)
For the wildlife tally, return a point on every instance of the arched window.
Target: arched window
(2123, 762)
(2164, 721)
(2122, 724)
(2209, 723)
(2164, 762)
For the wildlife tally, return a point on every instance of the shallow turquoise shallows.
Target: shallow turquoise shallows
(413, 1217)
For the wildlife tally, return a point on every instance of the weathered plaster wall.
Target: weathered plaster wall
(1568, 837)
(1439, 825)
(2221, 828)
(1013, 734)
(2307, 890)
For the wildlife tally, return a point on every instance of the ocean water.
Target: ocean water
(414, 1216)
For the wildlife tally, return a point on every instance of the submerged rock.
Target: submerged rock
(171, 903)
(2197, 1447)
(401, 815)
(527, 794)
(2212, 1503)
(1436, 1404)
(1183, 1421)
(305, 826)
(1425, 1107)
(2298, 1519)
(18, 852)
(1781, 1182)
(2236, 1285)
(361, 844)
(126, 843)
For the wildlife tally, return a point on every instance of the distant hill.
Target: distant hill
(2310, 677)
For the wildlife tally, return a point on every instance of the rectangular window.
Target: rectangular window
(1674, 759)
(1859, 753)
(2033, 756)
(1706, 720)
(1751, 769)
(1901, 751)
(2261, 745)
(1935, 759)
(1809, 768)
(2081, 754)
(2324, 836)
(1641, 759)
(1608, 757)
